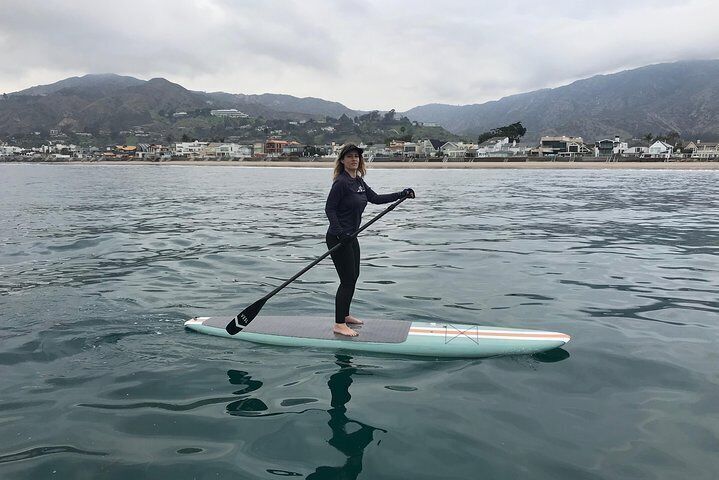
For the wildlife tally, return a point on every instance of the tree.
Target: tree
(514, 132)
(372, 116)
(389, 116)
(671, 138)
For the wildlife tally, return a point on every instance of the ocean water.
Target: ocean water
(100, 266)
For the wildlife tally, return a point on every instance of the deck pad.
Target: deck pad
(378, 331)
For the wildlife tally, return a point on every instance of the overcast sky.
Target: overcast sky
(366, 54)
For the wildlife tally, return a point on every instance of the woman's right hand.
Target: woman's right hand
(407, 193)
(344, 238)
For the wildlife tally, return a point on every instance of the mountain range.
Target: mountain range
(678, 97)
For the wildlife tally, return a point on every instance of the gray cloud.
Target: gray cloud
(366, 54)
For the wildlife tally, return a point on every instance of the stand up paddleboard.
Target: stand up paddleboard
(388, 336)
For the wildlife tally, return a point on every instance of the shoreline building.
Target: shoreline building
(703, 150)
(660, 149)
(562, 146)
(230, 112)
(609, 148)
(190, 149)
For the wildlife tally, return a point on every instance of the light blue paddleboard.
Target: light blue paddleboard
(388, 336)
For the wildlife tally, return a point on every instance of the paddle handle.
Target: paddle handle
(328, 252)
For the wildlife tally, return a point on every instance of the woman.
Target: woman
(345, 203)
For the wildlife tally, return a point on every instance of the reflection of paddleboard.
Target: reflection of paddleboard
(388, 336)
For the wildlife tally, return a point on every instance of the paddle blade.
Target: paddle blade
(245, 317)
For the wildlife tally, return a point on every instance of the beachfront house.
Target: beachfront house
(660, 149)
(86, 152)
(429, 147)
(706, 151)
(125, 150)
(410, 150)
(258, 148)
(6, 150)
(563, 146)
(495, 147)
(459, 150)
(232, 151)
(610, 147)
(377, 153)
(396, 148)
(147, 151)
(636, 152)
(273, 148)
(190, 149)
(293, 149)
(65, 149)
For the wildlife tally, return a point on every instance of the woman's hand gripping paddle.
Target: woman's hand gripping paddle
(249, 313)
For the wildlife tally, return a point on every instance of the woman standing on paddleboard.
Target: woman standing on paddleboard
(345, 203)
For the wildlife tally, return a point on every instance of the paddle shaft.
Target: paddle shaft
(248, 314)
(328, 252)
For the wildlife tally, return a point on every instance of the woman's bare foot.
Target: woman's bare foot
(352, 320)
(343, 329)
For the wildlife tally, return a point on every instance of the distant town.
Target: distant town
(58, 145)
(550, 148)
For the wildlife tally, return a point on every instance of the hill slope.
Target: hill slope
(681, 97)
(115, 102)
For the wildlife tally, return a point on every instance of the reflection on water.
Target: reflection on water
(40, 451)
(246, 406)
(348, 436)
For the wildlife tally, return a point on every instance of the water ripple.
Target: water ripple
(49, 450)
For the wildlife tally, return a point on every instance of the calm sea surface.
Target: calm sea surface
(100, 266)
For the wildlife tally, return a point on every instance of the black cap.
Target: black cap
(350, 147)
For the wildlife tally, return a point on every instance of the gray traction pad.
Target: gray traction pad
(380, 331)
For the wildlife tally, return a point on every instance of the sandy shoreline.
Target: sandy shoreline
(427, 165)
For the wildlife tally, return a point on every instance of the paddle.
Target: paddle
(249, 313)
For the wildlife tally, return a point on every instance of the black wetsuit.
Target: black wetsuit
(345, 204)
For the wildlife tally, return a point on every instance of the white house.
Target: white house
(190, 149)
(660, 149)
(230, 112)
(494, 147)
(233, 150)
(636, 152)
(429, 147)
(706, 151)
(458, 150)
(410, 149)
(608, 147)
(10, 150)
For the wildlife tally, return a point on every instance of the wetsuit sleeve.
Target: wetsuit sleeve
(333, 201)
(373, 197)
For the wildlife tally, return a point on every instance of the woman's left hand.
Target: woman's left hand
(407, 193)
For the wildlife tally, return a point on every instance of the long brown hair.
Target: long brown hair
(339, 166)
